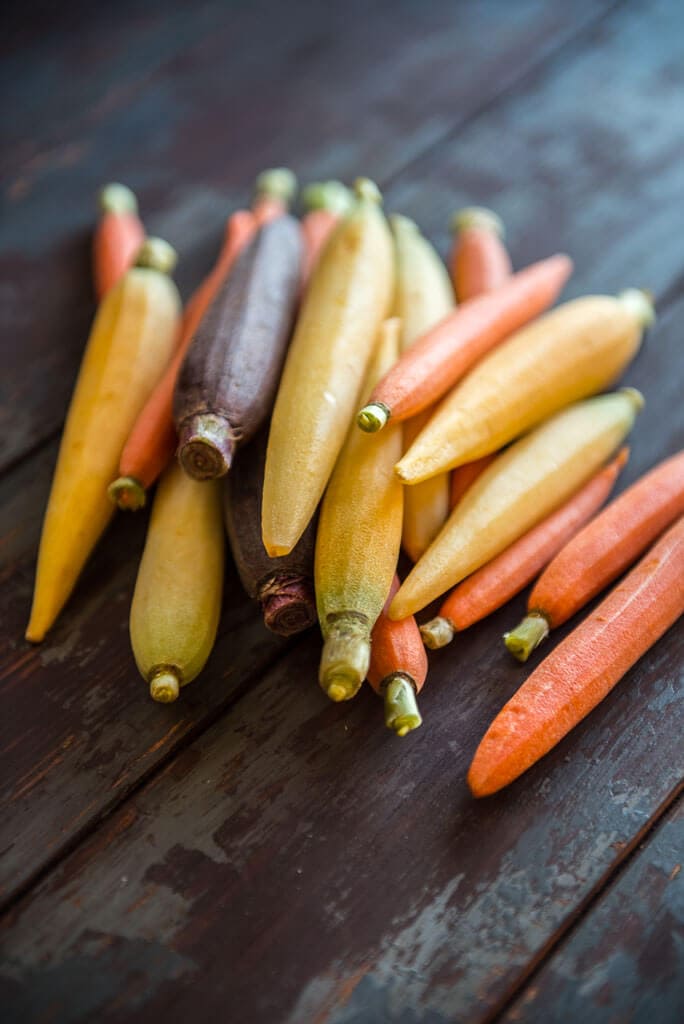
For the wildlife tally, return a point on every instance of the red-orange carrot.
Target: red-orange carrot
(600, 552)
(431, 366)
(398, 667)
(585, 667)
(479, 261)
(273, 193)
(505, 576)
(325, 202)
(118, 237)
(463, 476)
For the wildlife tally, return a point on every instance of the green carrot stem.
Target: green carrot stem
(401, 707)
(127, 493)
(526, 637)
(373, 417)
(437, 633)
(345, 657)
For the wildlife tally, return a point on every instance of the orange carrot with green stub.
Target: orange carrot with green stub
(505, 576)
(479, 260)
(584, 668)
(600, 552)
(325, 202)
(118, 236)
(398, 667)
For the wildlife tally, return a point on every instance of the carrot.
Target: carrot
(463, 476)
(499, 580)
(445, 353)
(152, 442)
(585, 667)
(575, 351)
(479, 261)
(398, 667)
(600, 552)
(130, 342)
(523, 485)
(118, 236)
(274, 190)
(325, 202)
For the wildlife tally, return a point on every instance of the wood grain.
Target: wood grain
(625, 961)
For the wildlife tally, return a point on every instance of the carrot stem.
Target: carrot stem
(117, 198)
(345, 657)
(401, 707)
(205, 446)
(164, 686)
(526, 637)
(373, 417)
(127, 493)
(437, 633)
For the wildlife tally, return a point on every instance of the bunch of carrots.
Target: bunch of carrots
(332, 393)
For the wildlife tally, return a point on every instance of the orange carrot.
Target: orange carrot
(325, 202)
(428, 369)
(118, 237)
(585, 667)
(273, 193)
(479, 260)
(463, 476)
(505, 576)
(600, 552)
(398, 667)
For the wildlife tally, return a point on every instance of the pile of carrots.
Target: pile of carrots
(333, 393)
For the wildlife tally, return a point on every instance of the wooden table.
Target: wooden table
(254, 853)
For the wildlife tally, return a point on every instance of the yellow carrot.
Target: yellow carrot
(130, 343)
(423, 296)
(177, 599)
(575, 351)
(357, 545)
(346, 300)
(521, 487)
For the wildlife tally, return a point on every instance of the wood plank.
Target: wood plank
(178, 101)
(625, 961)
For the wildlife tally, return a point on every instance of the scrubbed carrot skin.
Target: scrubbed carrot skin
(283, 586)
(423, 296)
(357, 545)
(347, 299)
(523, 485)
(118, 236)
(442, 356)
(498, 581)
(177, 599)
(479, 260)
(610, 543)
(131, 341)
(584, 667)
(152, 441)
(396, 647)
(575, 351)
(464, 476)
(325, 203)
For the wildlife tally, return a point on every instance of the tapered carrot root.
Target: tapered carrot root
(499, 580)
(357, 545)
(464, 476)
(117, 238)
(398, 668)
(584, 667)
(131, 340)
(479, 260)
(442, 356)
(325, 202)
(600, 552)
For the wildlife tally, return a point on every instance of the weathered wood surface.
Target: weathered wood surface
(187, 103)
(294, 861)
(625, 960)
(69, 746)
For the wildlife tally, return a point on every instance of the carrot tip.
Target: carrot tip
(117, 198)
(327, 195)
(641, 303)
(127, 493)
(401, 707)
(276, 183)
(205, 446)
(345, 658)
(526, 637)
(164, 686)
(478, 217)
(373, 417)
(437, 633)
(156, 254)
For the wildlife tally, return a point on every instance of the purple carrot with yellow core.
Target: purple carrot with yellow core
(358, 540)
(229, 377)
(423, 296)
(479, 260)
(398, 667)
(283, 586)
(600, 552)
(521, 486)
(347, 298)
(498, 581)
(177, 599)
(130, 343)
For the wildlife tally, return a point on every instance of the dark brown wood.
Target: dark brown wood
(625, 961)
(187, 103)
